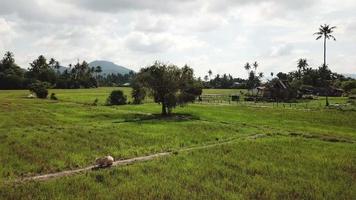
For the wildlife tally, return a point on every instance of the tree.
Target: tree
(117, 97)
(11, 75)
(98, 70)
(247, 67)
(206, 78)
(325, 33)
(210, 73)
(302, 65)
(138, 92)
(253, 79)
(42, 70)
(169, 85)
(40, 89)
(260, 75)
(255, 65)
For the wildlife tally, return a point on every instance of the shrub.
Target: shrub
(95, 102)
(353, 91)
(138, 94)
(53, 96)
(40, 89)
(348, 85)
(116, 97)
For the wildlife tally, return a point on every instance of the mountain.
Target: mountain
(110, 67)
(350, 75)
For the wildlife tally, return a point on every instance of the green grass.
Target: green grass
(307, 154)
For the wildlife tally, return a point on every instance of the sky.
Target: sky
(221, 35)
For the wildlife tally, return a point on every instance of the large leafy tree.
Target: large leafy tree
(43, 70)
(169, 85)
(11, 75)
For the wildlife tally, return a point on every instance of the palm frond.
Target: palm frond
(331, 36)
(318, 37)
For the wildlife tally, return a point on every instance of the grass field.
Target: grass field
(300, 154)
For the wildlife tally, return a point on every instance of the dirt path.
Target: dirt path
(45, 177)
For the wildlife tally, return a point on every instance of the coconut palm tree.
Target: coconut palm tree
(210, 73)
(325, 33)
(302, 65)
(247, 66)
(260, 75)
(255, 65)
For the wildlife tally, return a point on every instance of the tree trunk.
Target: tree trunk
(324, 50)
(164, 110)
(326, 97)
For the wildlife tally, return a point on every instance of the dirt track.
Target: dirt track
(45, 177)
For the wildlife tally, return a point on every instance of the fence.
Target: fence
(228, 99)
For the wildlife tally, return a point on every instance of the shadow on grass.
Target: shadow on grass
(141, 118)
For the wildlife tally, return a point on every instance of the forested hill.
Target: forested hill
(110, 67)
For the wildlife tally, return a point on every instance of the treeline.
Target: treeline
(226, 81)
(79, 75)
(303, 77)
(306, 77)
(118, 79)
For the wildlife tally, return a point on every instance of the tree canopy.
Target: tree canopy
(169, 85)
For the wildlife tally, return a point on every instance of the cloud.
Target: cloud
(281, 50)
(220, 35)
(165, 6)
(140, 42)
(151, 24)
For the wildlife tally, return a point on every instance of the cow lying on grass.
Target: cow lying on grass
(106, 161)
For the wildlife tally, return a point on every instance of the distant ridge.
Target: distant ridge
(110, 67)
(350, 75)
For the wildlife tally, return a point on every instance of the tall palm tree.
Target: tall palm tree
(302, 65)
(255, 65)
(325, 33)
(260, 74)
(210, 73)
(247, 66)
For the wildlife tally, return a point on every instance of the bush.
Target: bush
(116, 97)
(353, 91)
(95, 102)
(348, 85)
(40, 89)
(53, 96)
(138, 94)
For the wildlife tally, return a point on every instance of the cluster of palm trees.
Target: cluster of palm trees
(254, 78)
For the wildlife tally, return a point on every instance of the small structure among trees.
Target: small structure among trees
(169, 85)
(277, 90)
